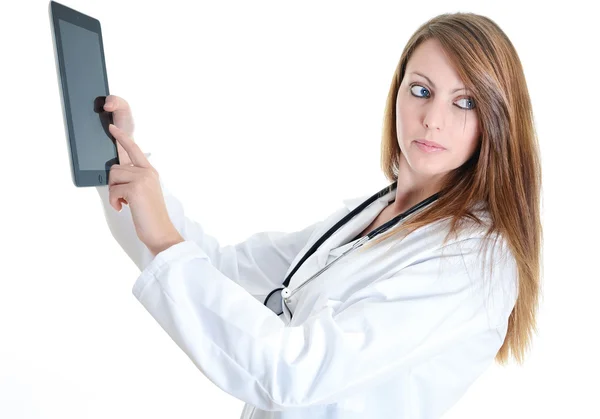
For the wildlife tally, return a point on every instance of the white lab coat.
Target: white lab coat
(399, 331)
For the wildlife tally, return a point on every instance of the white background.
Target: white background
(261, 115)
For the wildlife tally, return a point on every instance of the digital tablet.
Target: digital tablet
(83, 85)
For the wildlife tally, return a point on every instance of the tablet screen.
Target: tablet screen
(85, 83)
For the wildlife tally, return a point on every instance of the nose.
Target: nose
(435, 115)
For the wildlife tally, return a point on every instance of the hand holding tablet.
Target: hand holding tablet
(102, 153)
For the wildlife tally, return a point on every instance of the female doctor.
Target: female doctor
(395, 303)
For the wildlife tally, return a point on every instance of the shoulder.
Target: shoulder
(485, 261)
(471, 261)
(471, 241)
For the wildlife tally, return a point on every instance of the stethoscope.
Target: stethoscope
(278, 296)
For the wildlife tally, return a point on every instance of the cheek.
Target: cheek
(406, 118)
(466, 135)
(465, 149)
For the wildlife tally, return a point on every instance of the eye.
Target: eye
(421, 89)
(469, 100)
(416, 89)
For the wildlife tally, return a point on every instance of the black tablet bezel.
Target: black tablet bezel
(81, 178)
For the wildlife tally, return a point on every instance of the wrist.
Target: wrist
(165, 243)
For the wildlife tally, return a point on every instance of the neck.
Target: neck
(412, 189)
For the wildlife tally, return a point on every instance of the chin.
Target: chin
(426, 168)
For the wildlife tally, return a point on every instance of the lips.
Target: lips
(430, 143)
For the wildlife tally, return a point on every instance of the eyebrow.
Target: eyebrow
(430, 82)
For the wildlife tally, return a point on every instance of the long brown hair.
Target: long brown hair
(504, 173)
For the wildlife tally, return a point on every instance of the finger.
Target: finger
(119, 174)
(134, 152)
(114, 103)
(123, 157)
(117, 195)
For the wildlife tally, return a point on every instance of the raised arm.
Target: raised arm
(258, 263)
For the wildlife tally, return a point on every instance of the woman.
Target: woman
(405, 322)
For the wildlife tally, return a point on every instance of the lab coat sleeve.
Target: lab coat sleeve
(258, 263)
(441, 301)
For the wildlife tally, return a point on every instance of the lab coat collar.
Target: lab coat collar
(354, 226)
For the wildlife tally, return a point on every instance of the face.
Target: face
(433, 110)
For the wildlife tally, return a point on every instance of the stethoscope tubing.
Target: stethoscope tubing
(285, 294)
